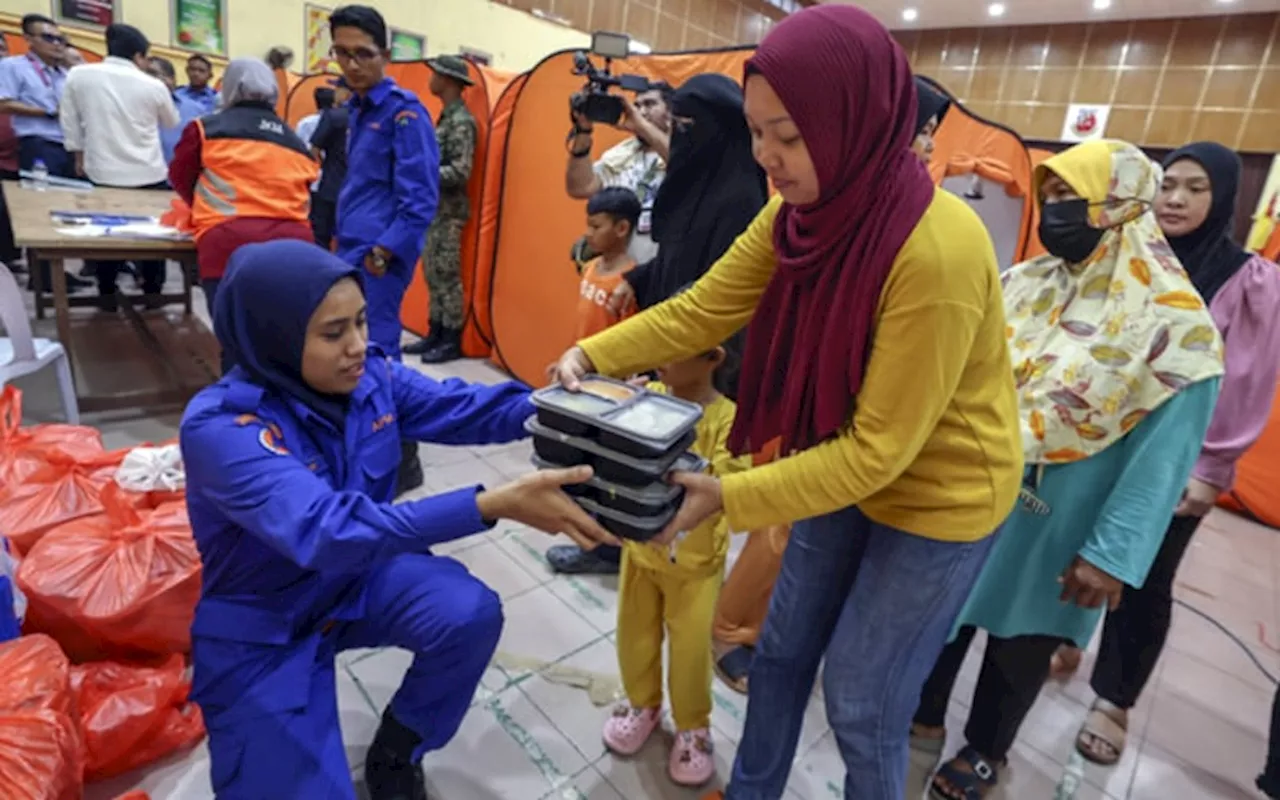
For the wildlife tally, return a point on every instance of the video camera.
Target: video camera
(594, 101)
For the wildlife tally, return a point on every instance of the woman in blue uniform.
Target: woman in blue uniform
(291, 465)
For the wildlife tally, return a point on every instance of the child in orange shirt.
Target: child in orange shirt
(612, 215)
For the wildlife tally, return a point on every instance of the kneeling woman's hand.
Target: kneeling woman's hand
(538, 501)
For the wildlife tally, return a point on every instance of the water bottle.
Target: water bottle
(41, 174)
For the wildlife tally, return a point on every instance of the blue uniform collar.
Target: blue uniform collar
(376, 95)
(246, 397)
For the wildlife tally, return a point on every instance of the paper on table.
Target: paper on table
(133, 230)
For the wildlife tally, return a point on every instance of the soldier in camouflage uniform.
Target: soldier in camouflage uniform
(442, 256)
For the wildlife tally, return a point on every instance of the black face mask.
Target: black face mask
(1065, 231)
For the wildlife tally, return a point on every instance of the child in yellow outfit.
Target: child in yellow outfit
(675, 588)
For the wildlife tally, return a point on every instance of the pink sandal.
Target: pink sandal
(629, 728)
(692, 758)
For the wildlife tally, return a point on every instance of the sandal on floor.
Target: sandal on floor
(974, 783)
(733, 667)
(627, 729)
(1064, 663)
(692, 761)
(1103, 729)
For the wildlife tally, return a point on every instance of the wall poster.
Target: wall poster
(94, 13)
(407, 46)
(316, 22)
(200, 25)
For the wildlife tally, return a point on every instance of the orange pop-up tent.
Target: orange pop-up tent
(989, 166)
(481, 100)
(534, 294)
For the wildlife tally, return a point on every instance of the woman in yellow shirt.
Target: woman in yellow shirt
(876, 354)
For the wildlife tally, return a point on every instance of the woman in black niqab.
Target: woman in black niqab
(712, 190)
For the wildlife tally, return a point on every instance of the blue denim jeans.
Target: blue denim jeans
(879, 604)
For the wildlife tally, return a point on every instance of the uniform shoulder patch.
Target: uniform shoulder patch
(405, 117)
(272, 440)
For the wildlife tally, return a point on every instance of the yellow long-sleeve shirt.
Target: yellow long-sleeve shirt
(934, 446)
(704, 550)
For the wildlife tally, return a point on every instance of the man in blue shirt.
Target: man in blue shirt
(391, 190)
(188, 109)
(198, 90)
(31, 91)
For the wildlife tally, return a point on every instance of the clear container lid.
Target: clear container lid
(654, 417)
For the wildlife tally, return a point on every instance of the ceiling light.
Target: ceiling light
(1101, 5)
(640, 48)
(996, 9)
(910, 15)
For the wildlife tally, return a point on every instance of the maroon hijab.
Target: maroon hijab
(847, 85)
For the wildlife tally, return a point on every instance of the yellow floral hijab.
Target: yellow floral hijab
(1097, 346)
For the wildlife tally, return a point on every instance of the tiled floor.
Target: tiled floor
(1200, 732)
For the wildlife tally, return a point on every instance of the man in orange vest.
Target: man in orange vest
(246, 175)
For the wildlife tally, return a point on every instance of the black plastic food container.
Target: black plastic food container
(628, 526)
(568, 450)
(624, 418)
(641, 501)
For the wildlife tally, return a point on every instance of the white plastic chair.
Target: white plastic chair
(20, 354)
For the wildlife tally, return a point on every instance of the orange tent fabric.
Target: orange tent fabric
(534, 286)
(1257, 490)
(481, 100)
(967, 144)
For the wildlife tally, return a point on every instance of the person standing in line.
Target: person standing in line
(390, 195)
(895, 407)
(1117, 364)
(112, 113)
(1195, 208)
(162, 70)
(442, 257)
(329, 145)
(9, 253)
(198, 90)
(245, 174)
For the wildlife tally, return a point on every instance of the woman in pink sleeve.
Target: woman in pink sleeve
(1194, 207)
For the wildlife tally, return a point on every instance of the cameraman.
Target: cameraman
(638, 164)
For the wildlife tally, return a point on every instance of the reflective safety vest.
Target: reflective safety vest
(253, 165)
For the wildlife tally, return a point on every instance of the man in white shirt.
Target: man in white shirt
(111, 117)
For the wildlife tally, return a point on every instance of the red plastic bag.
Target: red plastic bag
(62, 489)
(121, 585)
(131, 716)
(17, 458)
(40, 756)
(34, 674)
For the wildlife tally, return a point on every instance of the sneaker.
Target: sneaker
(692, 758)
(569, 559)
(629, 728)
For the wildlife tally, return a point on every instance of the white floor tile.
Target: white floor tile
(570, 707)
(496, 569)
(506, 749)
(540, 626)
(595, 597)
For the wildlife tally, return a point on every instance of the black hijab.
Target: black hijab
(712, 190)
(262, 310)
(930, 103)
(1208, 254)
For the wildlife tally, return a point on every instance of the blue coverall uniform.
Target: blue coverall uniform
(304, 556)
(389, 197)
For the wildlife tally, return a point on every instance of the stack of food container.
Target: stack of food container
(631, 437)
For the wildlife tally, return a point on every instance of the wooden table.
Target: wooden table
(34, 229)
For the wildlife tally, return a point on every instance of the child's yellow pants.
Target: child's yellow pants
(650, 600)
